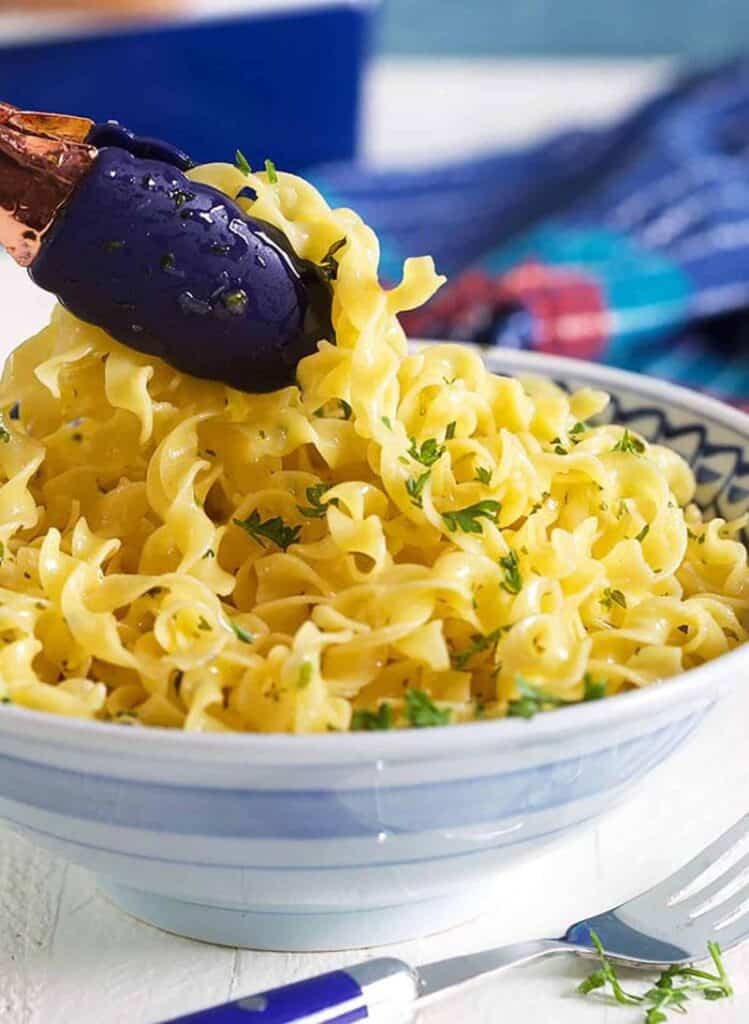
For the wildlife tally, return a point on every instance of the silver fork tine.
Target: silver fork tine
(733, 933)
(693, 904)
(690, 872)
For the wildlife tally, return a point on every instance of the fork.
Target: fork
(669, 924)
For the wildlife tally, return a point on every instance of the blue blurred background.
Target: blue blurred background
(295, 78)
(697, 28)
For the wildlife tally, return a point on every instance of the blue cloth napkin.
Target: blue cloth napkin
(627, 244)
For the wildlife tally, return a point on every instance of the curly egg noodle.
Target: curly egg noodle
(399, 540)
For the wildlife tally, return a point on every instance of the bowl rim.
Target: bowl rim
(702, 683)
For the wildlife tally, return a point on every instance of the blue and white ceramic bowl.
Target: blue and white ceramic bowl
(324, 842)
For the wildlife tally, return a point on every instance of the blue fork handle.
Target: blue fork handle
(377, 990)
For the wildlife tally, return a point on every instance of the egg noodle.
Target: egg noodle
(402, 539)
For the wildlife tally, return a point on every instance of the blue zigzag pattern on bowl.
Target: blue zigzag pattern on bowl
(721, 469)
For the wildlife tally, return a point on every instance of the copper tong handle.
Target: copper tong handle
(42, 158)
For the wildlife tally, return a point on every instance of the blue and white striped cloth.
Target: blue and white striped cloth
(628, 243)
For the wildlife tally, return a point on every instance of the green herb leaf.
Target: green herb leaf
(241, 161)
(467, 519)
(578, 428)
(629, 444)
(450, 430)
(421, 711)
(274, 530)
(415, 487)
(387, 422)
(613, 597)
(483, 475)
(531, 700)
(204, 624)
(316, 508)
(241, 633)
(643, 533)
(270, 170)
(344, 407)
(595, 980)
(664, 995)
(180, 196)
(429, 452)
(305, 675)
(513, 582)
(369, 721)
(610, 975)
(329, 264)
(478, 644)
(595, 689)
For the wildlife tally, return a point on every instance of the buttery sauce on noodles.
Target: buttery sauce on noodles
(402, 539)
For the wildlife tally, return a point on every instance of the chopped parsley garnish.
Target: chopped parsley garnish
(369, 721)
(559, 449)
(242, 163)
(329, 264)
(478, 645)
(483, 475)
(415, 487)
(316, 508)
(595, 689)
(530, 700)
(539, 504)
(467, 519)
(429, 452)
(386, 421)
(422, 712)
(629, 444)
(578, 428)
(210, 553)
(345, 410)
(6, 700)
(664, 995)
(450, 430)
(513, 581)
(180, 196)
(613, 597)
(204, 624)
(274, 529)
(235, 301)
(241, 633)
(270, 170)
(643, 533)
(305, 675)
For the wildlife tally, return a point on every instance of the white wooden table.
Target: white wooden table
(69, 957)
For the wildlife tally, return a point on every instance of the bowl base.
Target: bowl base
(290, 931)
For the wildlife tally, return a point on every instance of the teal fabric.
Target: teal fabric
(697, 28)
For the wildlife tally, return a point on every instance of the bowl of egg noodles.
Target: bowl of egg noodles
(308, 669)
